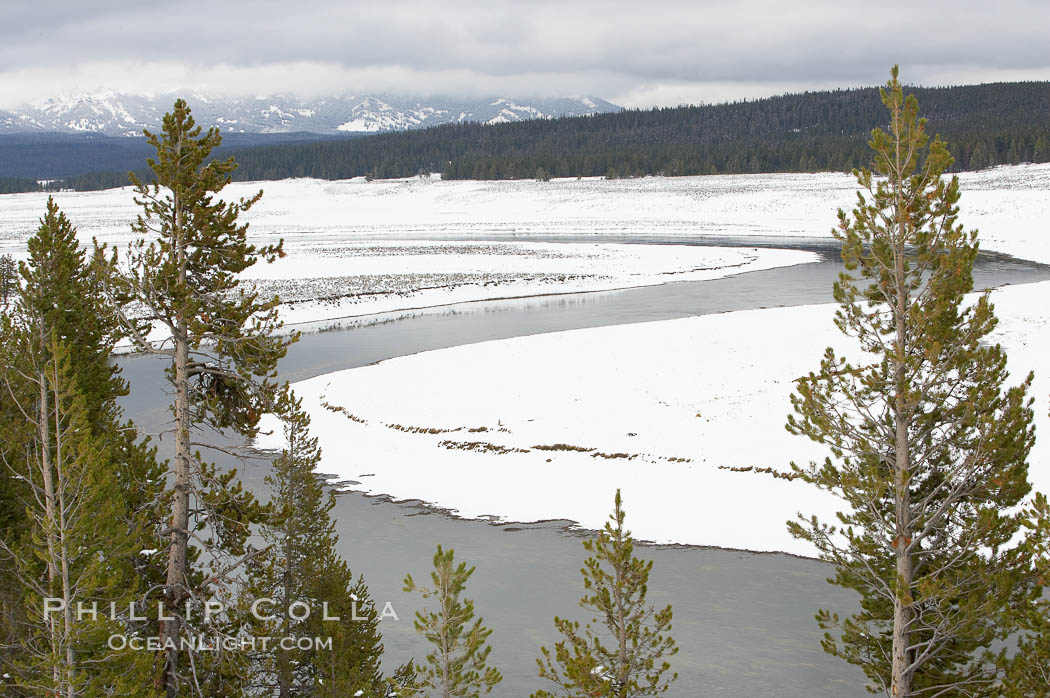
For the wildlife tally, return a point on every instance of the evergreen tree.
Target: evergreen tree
(8, 278)
(1027, 671)
(458, 666)
(979, 158)
(12, 185)
(629, 658)
(300, 564)
(928, 447)
(77, 551)
(403, 683)
(223, 348)
(1042, 149)
(60, 297)
(87, 489)
(353, 663)
(12, 493)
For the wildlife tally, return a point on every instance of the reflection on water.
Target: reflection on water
(744, 621)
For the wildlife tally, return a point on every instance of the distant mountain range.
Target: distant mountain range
(109, 113)
(984, 125)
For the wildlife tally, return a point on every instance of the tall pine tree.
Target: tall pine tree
(928, 446)
(223, 345)
(88, 489)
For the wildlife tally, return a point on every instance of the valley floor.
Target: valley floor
(545, 427)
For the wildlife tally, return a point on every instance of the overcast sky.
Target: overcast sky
(640, 53)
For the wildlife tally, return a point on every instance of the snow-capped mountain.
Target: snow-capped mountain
(114, 114)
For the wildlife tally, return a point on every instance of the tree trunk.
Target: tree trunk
(176, 591)
(283, 664)
(623, 671)
(44, 436)
(63, 531)
(902, 611)
(902, 599)
(176, 583)
(446, 650)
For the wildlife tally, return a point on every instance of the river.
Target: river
(744, 621)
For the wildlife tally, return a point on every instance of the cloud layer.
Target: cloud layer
(638, 54)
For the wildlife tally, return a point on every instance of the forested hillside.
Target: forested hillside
(28, 158)
(985, 125)
(10, 185)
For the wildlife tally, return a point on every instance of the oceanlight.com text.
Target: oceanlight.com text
(203, 643)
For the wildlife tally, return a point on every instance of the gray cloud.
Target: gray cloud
(640, 53)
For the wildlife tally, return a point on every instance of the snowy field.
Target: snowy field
(358, 247)
(547, 426)
(1008, 204)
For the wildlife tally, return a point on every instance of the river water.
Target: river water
(743, 621)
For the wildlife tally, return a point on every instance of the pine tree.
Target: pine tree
(8, 278)
(300, 564)
(353, 663)
(223, 346)
(87, 486)
(13, 494)
(928, 447)
(78, 551)
(1042, 149)
(458, 666)
(628, 658)
(60, 296)
(1027, 671)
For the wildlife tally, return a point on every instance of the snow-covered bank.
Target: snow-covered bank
(338, 280)
(1008, 204)
(547, 426)
(343, 259)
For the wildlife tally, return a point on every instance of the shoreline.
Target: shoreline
(572, 393)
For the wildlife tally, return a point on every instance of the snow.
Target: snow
(334, 271)
(326, 225)
(654, 408)
(328, 285)
(329, 281)
(360, 125)
(490, 430)
(1008, 204)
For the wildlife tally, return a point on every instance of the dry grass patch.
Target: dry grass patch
(562, 447)
(343, 411)
(613, 456)
(756, 469)
(481, 447)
